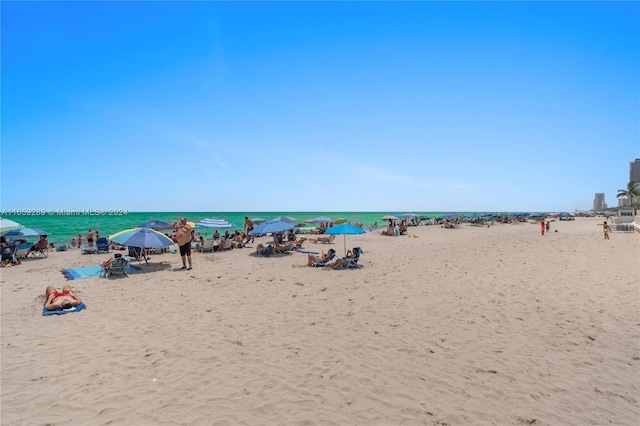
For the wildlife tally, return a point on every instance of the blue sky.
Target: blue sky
(318, 106)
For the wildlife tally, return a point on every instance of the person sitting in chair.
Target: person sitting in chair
(226, 244)
(351, 255)
(311, 259)
(264, 251)
(40, 246)
(107, 262)
(55, 300)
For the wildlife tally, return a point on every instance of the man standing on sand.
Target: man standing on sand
(183, 236)
(248, 225)
(90, 238)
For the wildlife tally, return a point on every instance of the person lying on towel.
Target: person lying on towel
(55, 300)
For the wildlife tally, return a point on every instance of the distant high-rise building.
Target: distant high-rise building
(634, 170)
(624, 202)
(598, 201)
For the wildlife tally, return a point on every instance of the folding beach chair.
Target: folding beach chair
(118, 266)
(137, 253)
(103, 245)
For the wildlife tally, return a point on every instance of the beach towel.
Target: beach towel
(89, 271)
(307, 251)
(78, 308)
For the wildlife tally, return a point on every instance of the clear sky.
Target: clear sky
(318, 106)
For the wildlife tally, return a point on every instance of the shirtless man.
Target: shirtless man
(90, 238)
(183, 236)
(248, 225)
(55, 300)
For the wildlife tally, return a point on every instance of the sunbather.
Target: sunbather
(226, 244)
(107, 262)
(351, 255)
(264, 251)
(55, 300)
(325, 240)
(313, 260)
(39, 246)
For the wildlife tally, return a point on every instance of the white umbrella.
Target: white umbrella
(215, 222)
(7, 225)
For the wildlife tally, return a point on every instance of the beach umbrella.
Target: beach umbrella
(272, 227)
(155, 224)
(344, 229)
(25, 233)
(7, 225)
(141, 237)
(389, 217)
(322, 219)
(258, 220)
(215, 222)
(287, 219)
(340, 220)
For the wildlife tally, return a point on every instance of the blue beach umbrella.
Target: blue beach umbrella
(25, 233)
(287, 219)
(344, 229)
(141, 237)
(215, 222)
(322, 219)
(258, 220)
(155, 224)
(272, 227)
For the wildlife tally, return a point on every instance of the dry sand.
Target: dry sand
(474, 326)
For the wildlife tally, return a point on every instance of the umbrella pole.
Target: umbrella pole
(345, 245)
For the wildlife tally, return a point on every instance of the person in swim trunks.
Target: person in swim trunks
(183, 235)
(55, 300)
(90, 238)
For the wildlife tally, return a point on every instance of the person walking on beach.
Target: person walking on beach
(606, 229)
(183, 236)
(248, 225)
(548, 226)
(542, 227)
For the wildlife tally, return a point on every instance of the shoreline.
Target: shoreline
(475, 325)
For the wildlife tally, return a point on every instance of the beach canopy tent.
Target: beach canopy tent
(155, 224)
(24, 233)
(566, 216)
(214, 222)
(271, 227)
(344, 229)
(7, 225)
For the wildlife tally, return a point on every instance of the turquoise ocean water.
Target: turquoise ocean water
(63, 226)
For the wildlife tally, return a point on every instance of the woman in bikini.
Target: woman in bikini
(55, 300)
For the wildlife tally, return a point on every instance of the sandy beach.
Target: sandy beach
(472, 326)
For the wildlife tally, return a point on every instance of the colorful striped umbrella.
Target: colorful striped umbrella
(214, 222)
(141, 237)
